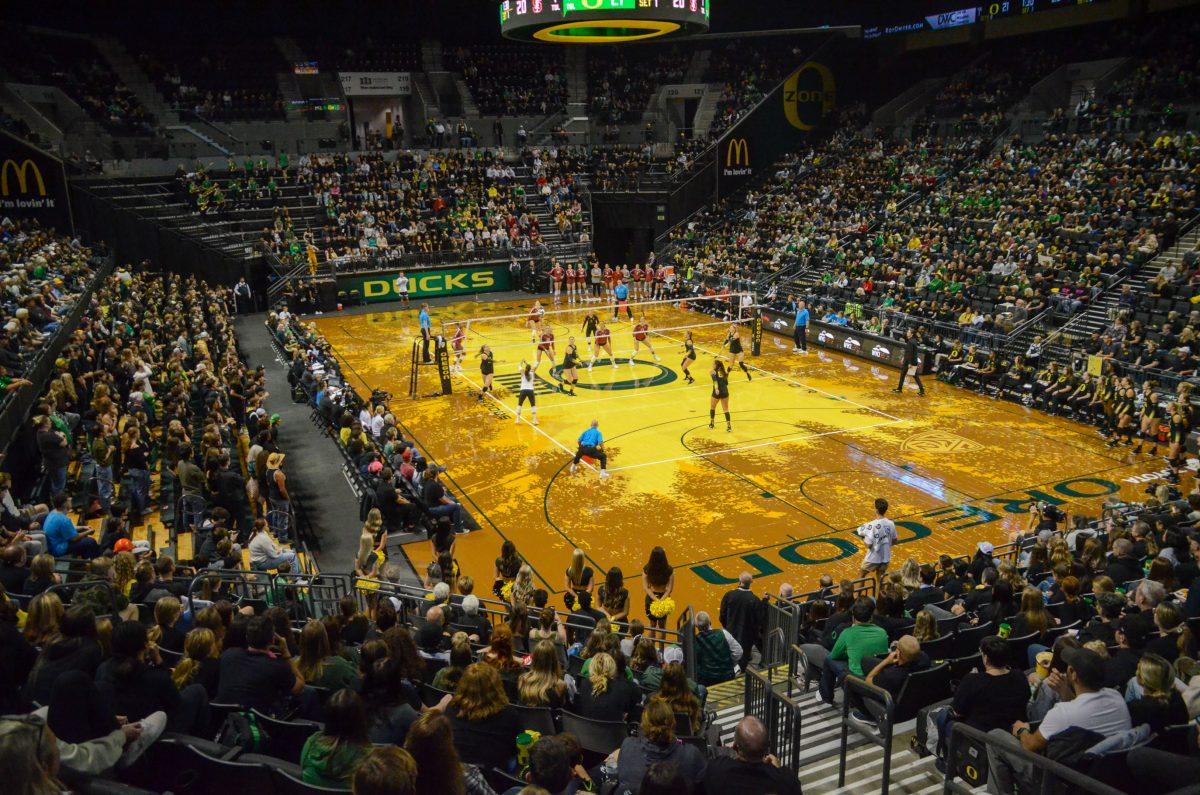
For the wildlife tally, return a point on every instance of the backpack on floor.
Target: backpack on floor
(241, 730)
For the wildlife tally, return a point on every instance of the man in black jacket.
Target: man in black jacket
(743, 614)
(910, 360)
(1123, 566)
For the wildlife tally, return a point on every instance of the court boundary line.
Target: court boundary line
(790, 380)
(785, 440)
(512, 411)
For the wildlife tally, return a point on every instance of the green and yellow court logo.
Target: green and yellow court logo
(642, 375)
(939, 442)
(809, 95)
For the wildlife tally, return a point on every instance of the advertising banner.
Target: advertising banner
(33, 184)
(795, 111)
(884, 350)
(377, 287)
(376, 84)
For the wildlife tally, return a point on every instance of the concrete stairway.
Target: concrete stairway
(707, 110)
(1098, 315)
(131, 74)
(820, 741)
(431, 55)
(577, 85)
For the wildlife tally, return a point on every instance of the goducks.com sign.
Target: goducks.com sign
(424, 283)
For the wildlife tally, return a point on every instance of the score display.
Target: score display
(601, 21)
(996, 9)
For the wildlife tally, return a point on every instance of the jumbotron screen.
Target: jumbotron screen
(601, 21)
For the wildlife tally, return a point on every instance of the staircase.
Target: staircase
(469, 108)
(536, 206)
(820, 744)
(131, 74)
(707, 110)
(1099, 313)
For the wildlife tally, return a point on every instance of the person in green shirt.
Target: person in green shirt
(330, 757)
(319, 666)
(861, 639)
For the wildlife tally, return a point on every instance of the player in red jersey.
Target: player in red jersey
(572, 283)
(610, 279)
(660, 283)
(638, 283)
(534, 321)
(603, 343)
(556, 281)
(641, 336)
(458, 344)
(545, 348)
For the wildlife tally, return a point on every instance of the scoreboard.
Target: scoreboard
(601, 21)
(969, 15)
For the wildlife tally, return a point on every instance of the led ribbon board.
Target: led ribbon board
(601, 21)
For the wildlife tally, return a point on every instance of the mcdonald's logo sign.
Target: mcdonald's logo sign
(737, 153)
(809, 95)
(21, 171)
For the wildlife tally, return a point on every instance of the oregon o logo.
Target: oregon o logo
(809, 94)
(21, 171)
(661, 376)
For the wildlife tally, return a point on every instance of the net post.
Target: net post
(412, 373)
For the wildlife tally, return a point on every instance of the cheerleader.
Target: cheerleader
(487, 366)
(457, 343)
(689, 357)
(603, 343)
(720, 394)
(641, 337)
(569, 373)
(545, 348)
(526, 393)
(1150, 418)
(733, 341)
(1177, 431)
(556, 280)
(534, 321)
(1124, 412)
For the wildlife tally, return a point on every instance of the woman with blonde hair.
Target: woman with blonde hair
(543, 685)
(200, 663)
(371, 546)
(1159, 703)
(910, 575)
(579, 575)
(926, 628)
(522, 589)
(485, 725)
(123, 566)
(164, 633)
(45, 613)
(605, 695)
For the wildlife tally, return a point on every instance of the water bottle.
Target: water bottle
(1005, 629)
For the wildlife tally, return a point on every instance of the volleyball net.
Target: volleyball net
(514, 332)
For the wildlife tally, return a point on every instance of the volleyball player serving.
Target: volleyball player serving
(526, 393)
(487, 366)
(641, 336)
(569, 374)
(733, 341)
(689, 357)
(457, 344)
(720, 394)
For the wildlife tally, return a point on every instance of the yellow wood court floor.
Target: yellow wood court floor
(815, 439)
